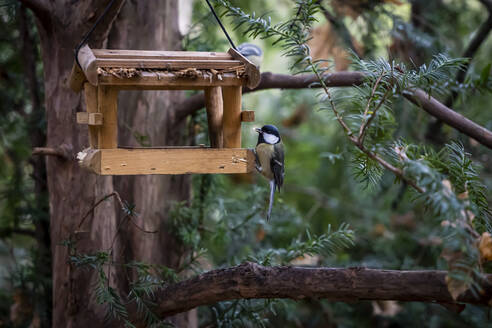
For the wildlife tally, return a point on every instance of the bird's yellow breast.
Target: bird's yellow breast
(265, 153)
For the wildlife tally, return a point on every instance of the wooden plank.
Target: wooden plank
(108, 106)
(87, 62)
(77, 78)
(90, 93)
(146, 54)
(170, 64)
(232, 116)
(215, 113)
(247, 116)
(252, 71)
(89, 118)
(169, 161)
(166, 80)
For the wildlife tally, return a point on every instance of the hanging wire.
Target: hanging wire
(221, 26)
(86, 37)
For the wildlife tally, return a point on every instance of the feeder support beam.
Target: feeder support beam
(108, 106)
(232, 116)
(215, 113)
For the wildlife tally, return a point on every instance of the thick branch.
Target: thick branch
(345, 79)
(278, 81)
(434, 128)
(250, 280)
(450, 117)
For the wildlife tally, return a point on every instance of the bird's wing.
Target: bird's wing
(277, 164)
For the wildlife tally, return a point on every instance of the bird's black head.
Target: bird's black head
(268, 134)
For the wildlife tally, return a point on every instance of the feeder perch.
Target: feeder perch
(103, 73)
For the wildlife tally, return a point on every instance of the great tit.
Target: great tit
(252, 52)
(269, 153)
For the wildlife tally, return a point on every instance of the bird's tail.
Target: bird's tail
(272, 193)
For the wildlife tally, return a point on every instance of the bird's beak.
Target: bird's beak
(258, 130)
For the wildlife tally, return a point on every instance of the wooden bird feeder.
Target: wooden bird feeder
(103, 73)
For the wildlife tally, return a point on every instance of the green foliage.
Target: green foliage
(149, 279)
(368, 119)
(291, 35)
(325, 244)
(366, 170)
(243, 313)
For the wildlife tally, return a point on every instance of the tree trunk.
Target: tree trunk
(73, 191)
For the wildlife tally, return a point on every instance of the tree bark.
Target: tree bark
(250, 280)
(73, 191)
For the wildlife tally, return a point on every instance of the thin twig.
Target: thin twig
(297, 15)
(366, 124)
(330, 99)
(113, 194)
(142, 229)
(396, 171)
(122, 205)
(366, 110)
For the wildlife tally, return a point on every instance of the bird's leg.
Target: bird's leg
(272, 193)
(257, 163)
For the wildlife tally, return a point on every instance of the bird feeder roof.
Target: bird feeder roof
(140, 69)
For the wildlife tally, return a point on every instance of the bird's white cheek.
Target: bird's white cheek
(270, 138)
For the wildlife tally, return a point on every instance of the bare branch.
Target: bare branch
(471, 50)
(277, 81)
(250, 280)
(450, 117)
(48, 151)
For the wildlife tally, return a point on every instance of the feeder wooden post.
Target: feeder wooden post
(232, 116)
(215, 113)
(107, 105)
(90, 93)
